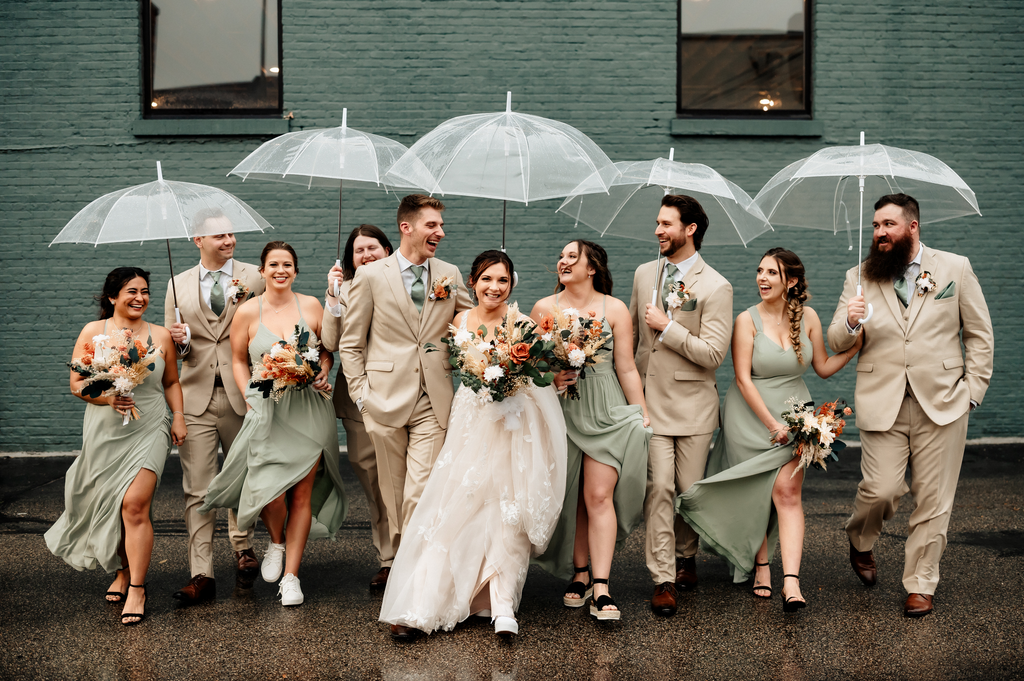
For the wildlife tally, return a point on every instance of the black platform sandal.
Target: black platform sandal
(597, 606)
(140, 615)
(791, 604)
(121, 595)
(761, 587)
(578, 587)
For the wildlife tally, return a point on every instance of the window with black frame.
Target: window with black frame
(211, 58)
(744, 58)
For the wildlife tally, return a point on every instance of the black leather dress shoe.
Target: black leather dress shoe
(686, 573)
(863, 563)
(199, 589)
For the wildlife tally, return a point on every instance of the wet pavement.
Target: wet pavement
(56, 624)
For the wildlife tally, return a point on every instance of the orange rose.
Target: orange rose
(547, 323)
(592, 314)
(571, 346)
(847, 411)
(87, 360)
(140, 347)
(440, 292)
(519, 353)
(88, 347)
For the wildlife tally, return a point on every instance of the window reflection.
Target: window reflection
(743, 57)
(212, 56)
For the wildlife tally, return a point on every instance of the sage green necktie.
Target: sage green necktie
(670, 278)
(216, 295)
(418, 288)
(901, 289)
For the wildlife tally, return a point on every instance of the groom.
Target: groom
(678, 347)
(395, 307)
(915, 388)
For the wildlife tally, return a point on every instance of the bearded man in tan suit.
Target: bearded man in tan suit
(395, 307)
(915, 389)
(677, 357)
(209, 294)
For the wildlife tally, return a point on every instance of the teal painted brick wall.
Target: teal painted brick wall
(943, 77)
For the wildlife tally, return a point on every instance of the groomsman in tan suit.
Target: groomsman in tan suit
(915, 388)
(395, 307)
(677, 353)
(208, 295)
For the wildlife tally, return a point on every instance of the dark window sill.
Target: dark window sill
(201, 127)
(695, 127)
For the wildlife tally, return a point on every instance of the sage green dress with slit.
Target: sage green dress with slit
(278, 445)
(731, 509)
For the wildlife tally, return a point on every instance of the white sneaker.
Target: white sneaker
(289, 590)
(506, 626)
(273, 562)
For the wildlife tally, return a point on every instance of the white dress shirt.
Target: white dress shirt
(206, 281)
(681, 271)
(408, 277)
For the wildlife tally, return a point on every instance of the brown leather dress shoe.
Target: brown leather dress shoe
(917, 605)
(380, 580)
(863, 563)
(663, 602)
(403, 633)
(247, 562)
(686, 573)
(200, 588)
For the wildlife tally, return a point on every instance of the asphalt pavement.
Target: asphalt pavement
(56, 624)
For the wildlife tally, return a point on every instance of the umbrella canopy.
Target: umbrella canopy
(158, 210)
(507, 156)
(631, 204)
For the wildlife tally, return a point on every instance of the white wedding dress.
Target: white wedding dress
(492, 500)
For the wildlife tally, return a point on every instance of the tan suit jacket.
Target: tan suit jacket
(381, 346)
(330, 334)
(679, 372)
(920, 347)
(210, 345)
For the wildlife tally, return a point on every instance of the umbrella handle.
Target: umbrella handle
(337, 286)
(871, 309)
(177, 314)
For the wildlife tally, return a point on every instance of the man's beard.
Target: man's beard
(885, 266)
(673, 247)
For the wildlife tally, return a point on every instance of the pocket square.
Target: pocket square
(689, 306)
(947, 292)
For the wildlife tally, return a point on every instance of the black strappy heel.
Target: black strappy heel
(140, 615)
(578, 587)
(597, 606)
(121, 595)
(791, 604)
(761, 587)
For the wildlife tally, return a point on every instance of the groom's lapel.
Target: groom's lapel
(406, 309)
(916, 301)
(889, 294)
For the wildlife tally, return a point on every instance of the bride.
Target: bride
(492, 499)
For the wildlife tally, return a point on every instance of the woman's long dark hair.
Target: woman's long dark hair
(597, 258)
(790, 266)
(347, 260)
(116, 280)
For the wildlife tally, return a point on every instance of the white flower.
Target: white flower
(311, 355)
(675, 302)
(546, 336)
(484, 346)
(571, 313)
(276, 350)
(826, 437)
(577, 357)
(96, 340)
(232, 291)
(123, 385)
(484, 395)
(493, 373)
(810, 422)
(463, 337)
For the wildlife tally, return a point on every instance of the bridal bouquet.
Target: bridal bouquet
(814, 432)
(289, 365)
(515, 357)
(577, 340)
(113, 365)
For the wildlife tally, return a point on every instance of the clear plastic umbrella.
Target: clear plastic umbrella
(507, 156)
(818, 192)
(631, 204)
(333, 157)
(157, 210)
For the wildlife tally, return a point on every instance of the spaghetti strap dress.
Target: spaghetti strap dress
(731, 509)
(88, 533)
(605, 427)
(278, 445)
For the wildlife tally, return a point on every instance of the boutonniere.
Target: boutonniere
(924, 283)
(237, 291)
(678, 295)
(442, 288)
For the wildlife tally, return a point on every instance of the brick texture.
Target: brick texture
(941, 77)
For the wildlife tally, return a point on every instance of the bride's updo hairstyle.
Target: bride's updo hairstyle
(791, 267)
(278, 246)
(116, 280)
(597, 258)
(485, 260)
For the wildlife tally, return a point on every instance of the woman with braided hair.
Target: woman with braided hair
(751, 497)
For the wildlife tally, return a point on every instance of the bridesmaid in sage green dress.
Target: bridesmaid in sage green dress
(608, 430)
(751, 496)
(109, 488)
(283, 464)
